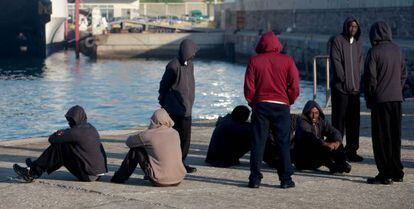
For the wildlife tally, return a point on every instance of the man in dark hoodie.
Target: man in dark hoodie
(177, 92)
(346, 56)
(311, 149)
(77, 148)
(271, 85)
(231, 138)
(384, 78)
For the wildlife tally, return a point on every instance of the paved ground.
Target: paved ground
(209, 187)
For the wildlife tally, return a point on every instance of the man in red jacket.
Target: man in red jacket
(271, 86)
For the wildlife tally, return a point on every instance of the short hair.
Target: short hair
(240, 113)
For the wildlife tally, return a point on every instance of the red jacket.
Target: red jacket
(271, 75)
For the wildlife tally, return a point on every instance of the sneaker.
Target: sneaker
(397, 179)
(345, 167)
(190, 169)
(254, 183)
(287, 184)
(29, 162)
(354, 158)
(23, 173)
(379, 180)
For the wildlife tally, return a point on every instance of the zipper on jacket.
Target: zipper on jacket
(352, 70)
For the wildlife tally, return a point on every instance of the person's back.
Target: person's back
(274, 73)
(163, 148)
(229, 141)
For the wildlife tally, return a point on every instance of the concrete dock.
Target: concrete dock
(209, 187)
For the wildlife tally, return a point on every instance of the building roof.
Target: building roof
(108, 1)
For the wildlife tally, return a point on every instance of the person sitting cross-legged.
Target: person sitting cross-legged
(157, 151)
(311, 149)
(77, 148)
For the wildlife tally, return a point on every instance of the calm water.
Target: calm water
(115, 94)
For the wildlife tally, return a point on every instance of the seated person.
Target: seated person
(157, 150)
(231, 138)
(311, 149)
(77, 148)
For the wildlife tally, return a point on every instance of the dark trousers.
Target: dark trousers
(135, 156)
(56, 156)
(183, 127)
(313, 156)
(386, 138)
(275, 117)
(345, 118)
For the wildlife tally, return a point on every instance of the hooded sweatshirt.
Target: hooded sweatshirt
(270, 75)
(162, 144)
(87, 145)
(306, 133)
(347, 60)
(177, 86)
(385, 72)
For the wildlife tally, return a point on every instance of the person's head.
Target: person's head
(188, 50)
(240, 113)
(268, 42)
(380, 32)
(312, 111)
(76, 116)
(313, 115)
(351, 28)
(161, 118)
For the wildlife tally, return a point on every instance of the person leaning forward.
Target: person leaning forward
(77, 148)
(271, 85)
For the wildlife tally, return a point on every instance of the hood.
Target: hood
(269, 42)
(380, 31)
(188, 50)
(345, 28)
(308, 106)
(160, 118)
(77, 114)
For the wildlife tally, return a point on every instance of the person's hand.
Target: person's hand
(327, 146)
(335, 145)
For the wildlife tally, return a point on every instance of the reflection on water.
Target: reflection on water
(117, 94)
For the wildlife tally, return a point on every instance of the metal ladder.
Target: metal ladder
(315, 80)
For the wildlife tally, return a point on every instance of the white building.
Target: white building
(111, 9)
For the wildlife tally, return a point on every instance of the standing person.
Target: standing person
(384, 78)
(347, 63)
(157, 151)
(177, 92)
(77, 148)
(271, 85)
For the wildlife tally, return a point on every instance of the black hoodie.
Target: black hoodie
(87, 146)
(306, 133)
(177, 86)
(385, 72)
(347, 60)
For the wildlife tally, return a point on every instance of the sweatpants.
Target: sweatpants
(274, 117)
(183, 127)
(135, 156)
(346, 118)
(58, 155)
(386, 139)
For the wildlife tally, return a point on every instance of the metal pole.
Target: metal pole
(77, 28)
(328, 88)
(314, 78)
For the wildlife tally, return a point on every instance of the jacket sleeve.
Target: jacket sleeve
(404, 74)
(304, 135)
(293, 82)
(134, 141)
(249, 83)
(337, 61)
(331, 133)
(166, 83)
(370, 77)
(61, 136)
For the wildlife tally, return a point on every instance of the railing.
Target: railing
(315, 80)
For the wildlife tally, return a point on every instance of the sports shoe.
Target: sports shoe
(23, 173)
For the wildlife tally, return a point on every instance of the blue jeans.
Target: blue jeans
(275, 117)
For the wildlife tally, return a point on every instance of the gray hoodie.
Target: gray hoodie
(177, 86)
(385, 72)
(347, 60)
